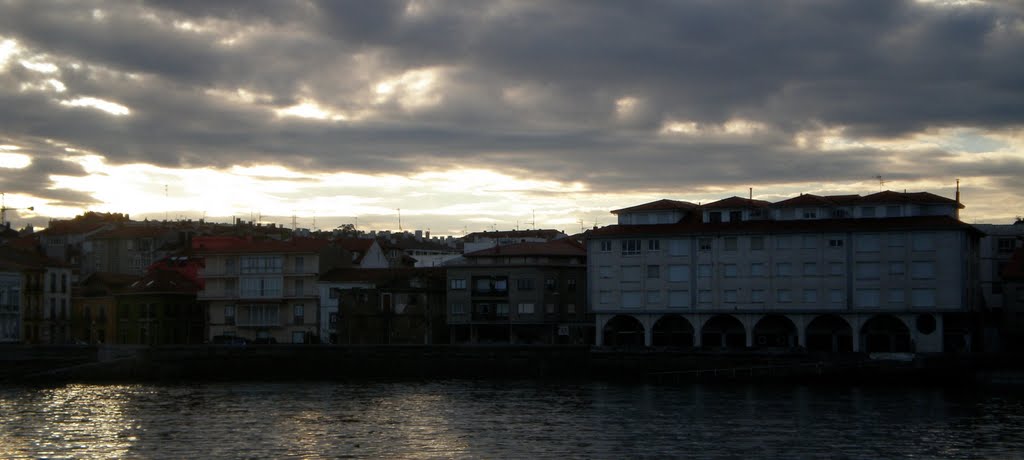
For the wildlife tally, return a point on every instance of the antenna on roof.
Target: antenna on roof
(399, 218)
(957, 190)
(751, 192)
(881, 182)
(166, 199)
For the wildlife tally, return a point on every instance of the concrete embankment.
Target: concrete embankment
(299, 362)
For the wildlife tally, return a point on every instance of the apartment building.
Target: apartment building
(884, 272)
(529, 293)
(260, 288)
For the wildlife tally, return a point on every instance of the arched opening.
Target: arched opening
(724, 331)
(885, 333)
(672, 331)
(623, 330)
(775, 331)
(830, 334)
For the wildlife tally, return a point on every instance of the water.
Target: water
(505, 419)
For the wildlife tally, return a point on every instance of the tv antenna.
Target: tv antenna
(4, 209)
(881, 182)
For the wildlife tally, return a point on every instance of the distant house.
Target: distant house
(94, 312)
(383, 306)
(524, 293)
(477, 241)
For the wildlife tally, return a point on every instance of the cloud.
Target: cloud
(573, 92)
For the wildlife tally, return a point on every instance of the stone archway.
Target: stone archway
(672, 331)
(623, 331)
(775, 331)
(724, 331)
(885, 333)
(829, 333)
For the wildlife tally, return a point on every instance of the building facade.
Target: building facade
(522, 293)
(884, 272)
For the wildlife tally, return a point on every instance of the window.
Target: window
(298, 337)
(757, 295)
(333, 293)
(784, 295)
(678, 247)
(731, 271)
(729, 296)
(570, 285)
(704, 244)
(1005, 245)
(679, 298)
(229, 315)
(922, 298)
(896, 296)
(604, 297)
(261, 287)
(924, 242)
(704, 271)
(835, 268)
(654, 245)
(782, 242)
(809, 242)
(867, 270)
(524, 284)
(836, 296)
(525, 309)
(835, 243)
(630, 247)
(63, 282)
(867, 243)
(867, 211)
(715, 217)
(897, 240)
(810, 269)
(757, 269)
(867, 298)
(570, 308)
(458, 308)
(896, 269)
(458, 284)
(810, 213)
(757, 243)
(53, 282)
(810, 295)
(893, 211)
(653, 297)
(229, 265)
(730, 243)
(550, 284)
(735, 216)
(704, 296)
(261, 264)
(630, 273)
(501, 310)
(678, 273)
(606, 246)
(299, 313)
(300, 287)
(783, 269)
(300, 264)
(631, 299)
(604, 271)
(653, 271)
(924, 270)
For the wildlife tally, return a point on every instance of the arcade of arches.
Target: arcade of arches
(875, 332)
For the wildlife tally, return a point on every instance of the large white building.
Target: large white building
(884, 272)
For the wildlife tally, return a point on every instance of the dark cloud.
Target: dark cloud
(529, 87)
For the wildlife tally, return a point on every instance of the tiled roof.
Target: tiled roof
(660, 205)
(891, 197)
(133, 231)
(381, 276)
(234, 245)
(162, 281)
(737, 202)
(806, 200)
(13, 258)
(547, 234)
(562, 247)
(788, 226)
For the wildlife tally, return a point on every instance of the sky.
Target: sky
(462, 116)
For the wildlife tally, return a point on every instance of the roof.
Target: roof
(564, 247)
(103, 283)
(162, 282)
(660, 205)
(737, 202)
(807, 200)
(547, 234)
(789, 226)
(381, 276)
(13, 258)
(133, 231)
(204, 245)
(891, 197)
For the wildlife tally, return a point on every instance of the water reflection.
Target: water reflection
(504, 419)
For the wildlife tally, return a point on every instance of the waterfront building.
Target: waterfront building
(45, 295)
(129, 249)
(532, 292)
(884, 272)
(159, 308)
(11, 282)
(94, 315)
(1011, 314)
(262, 288)
(383, 306)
